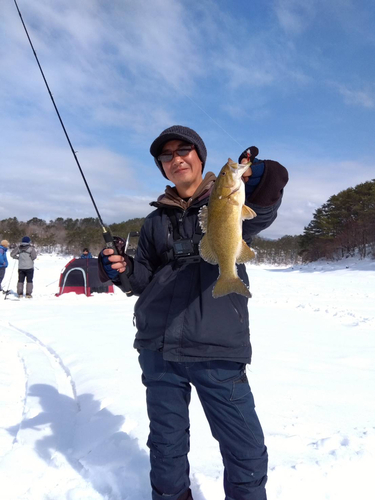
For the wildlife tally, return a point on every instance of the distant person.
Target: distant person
(4, 245)
(25, 253)
(86, 254)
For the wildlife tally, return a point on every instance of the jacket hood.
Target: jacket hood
(171, 198)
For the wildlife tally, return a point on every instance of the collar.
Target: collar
(170, 198)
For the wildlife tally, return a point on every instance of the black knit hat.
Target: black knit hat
(178, 132)
(254, 151)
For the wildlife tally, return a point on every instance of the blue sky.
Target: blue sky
(294, 78)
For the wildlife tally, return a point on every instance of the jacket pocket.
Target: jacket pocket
(225, 371)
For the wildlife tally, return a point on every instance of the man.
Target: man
(25, 254)
(185, 336)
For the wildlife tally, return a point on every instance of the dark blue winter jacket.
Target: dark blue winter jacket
(175, 312)
(3, 256)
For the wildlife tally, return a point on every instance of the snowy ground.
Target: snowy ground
(73, 421)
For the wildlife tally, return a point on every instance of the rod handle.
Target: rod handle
(108, 238)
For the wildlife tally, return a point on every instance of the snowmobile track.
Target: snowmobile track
(55, 356)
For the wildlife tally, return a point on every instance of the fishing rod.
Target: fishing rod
(107, 235)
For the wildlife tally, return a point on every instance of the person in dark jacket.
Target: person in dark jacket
(86, 254)
(185, 336)
(25, 253)
(4, 245)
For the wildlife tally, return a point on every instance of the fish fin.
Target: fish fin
(203, 218)
(206, 252)
(245, 255)
(224, 286)
(247, 212)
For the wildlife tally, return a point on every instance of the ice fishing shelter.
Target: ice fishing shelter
(81, 276)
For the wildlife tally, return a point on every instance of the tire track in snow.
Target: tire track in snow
(12, 388)
(32, 364)
(87, 457)
(57, 359)
(15, 440)
(46, 422)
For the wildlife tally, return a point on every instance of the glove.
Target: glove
(112, 274)
(254, 151)
(105, 265)
(257, 169)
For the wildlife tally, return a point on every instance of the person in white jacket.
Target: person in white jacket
(25, 253)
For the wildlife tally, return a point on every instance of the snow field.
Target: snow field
(73, 422)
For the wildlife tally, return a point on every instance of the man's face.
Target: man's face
(183, 171)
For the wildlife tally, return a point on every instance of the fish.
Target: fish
(221, 223)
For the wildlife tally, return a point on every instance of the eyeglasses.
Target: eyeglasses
(181, 151)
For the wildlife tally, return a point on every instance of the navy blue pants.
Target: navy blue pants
(228, 403)
(2, 273)
(27, 274)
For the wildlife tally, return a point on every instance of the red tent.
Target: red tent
(81, 276)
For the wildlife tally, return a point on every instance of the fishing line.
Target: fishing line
(108, 238)
(209, 116)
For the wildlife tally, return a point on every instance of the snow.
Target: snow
(73, 422)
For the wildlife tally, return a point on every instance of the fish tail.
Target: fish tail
(224, 286)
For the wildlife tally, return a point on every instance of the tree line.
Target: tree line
(342, 226)
(70, 236)
(66, 236)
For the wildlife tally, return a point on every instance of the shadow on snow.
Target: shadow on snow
(90, 439)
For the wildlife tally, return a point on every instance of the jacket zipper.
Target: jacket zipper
(180, 221)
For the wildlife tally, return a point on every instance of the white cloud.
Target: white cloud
(121, 71)
(295, 16)
(362, 98)
(96, 55)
